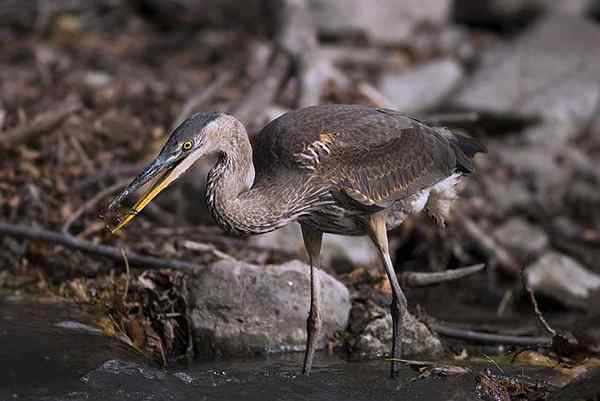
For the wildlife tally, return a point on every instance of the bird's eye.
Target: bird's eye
(187, 145)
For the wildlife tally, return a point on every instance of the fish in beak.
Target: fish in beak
(169, 166)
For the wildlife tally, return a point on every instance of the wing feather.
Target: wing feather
(368, 156)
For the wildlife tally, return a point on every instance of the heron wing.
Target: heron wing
(371, 156)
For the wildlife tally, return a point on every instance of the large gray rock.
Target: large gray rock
(552, 71)
(385, 21)
(422, 88)
(239, 308)
(563, 279)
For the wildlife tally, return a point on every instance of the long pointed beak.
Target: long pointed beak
(170, 167)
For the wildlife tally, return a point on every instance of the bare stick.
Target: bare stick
(536, 308)
(40, 124)
(488, 244)
(202, 247)
(264, 89)
(201, 98)
(91, 203)
(109, 172)
(415, 279)
(110, 252)
(488, 338)
(128, 278)
(375, 97)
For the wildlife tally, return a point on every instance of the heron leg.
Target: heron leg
(312, 243)
(378, 233)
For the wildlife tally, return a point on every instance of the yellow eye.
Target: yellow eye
(187, 145)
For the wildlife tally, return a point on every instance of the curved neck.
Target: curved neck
(235, 205)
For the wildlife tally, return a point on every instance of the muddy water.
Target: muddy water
(40, 360)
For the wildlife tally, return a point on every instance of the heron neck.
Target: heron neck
(235, 205)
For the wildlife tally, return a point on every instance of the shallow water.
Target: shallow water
(42, 361)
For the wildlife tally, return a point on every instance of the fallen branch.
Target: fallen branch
(488, 244)
(417, 279)
(110, 252)
(200, 99)
(40, 124)
(488, 338)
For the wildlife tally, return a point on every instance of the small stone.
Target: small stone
(563, 279)
(96, 79)
(243, 309)
(422, 88)
(371, 333)
(521, 238)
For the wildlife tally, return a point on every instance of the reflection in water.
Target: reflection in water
(41, 361)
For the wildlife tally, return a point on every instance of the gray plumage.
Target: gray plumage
(333, 165)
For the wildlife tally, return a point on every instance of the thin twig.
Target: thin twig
(111, 252)
(128, 278)
(83, 156)
(536, 308)
(488, 338)
(202, 247)
(109, 172)
(374, 96)
(91, 204)
(200, 99)
(40, 124)
(264, 90)
(488, 244)
(417, 279)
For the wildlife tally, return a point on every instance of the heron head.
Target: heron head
(192, 139)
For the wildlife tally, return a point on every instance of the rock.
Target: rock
(240, 309)
(521, 238)
(389, 21)
(371, 333)
(340, 253)
(563, 279)
(550, 71)
(422, 88)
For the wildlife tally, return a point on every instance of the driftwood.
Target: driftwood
(488, 338)
(417, 279)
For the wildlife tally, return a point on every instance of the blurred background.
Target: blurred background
(90, 90)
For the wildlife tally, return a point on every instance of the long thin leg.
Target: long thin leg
(378, 233)
(312, 243)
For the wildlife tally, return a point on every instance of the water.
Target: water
(40, 360)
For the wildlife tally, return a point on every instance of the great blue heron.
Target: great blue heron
(343, 169)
